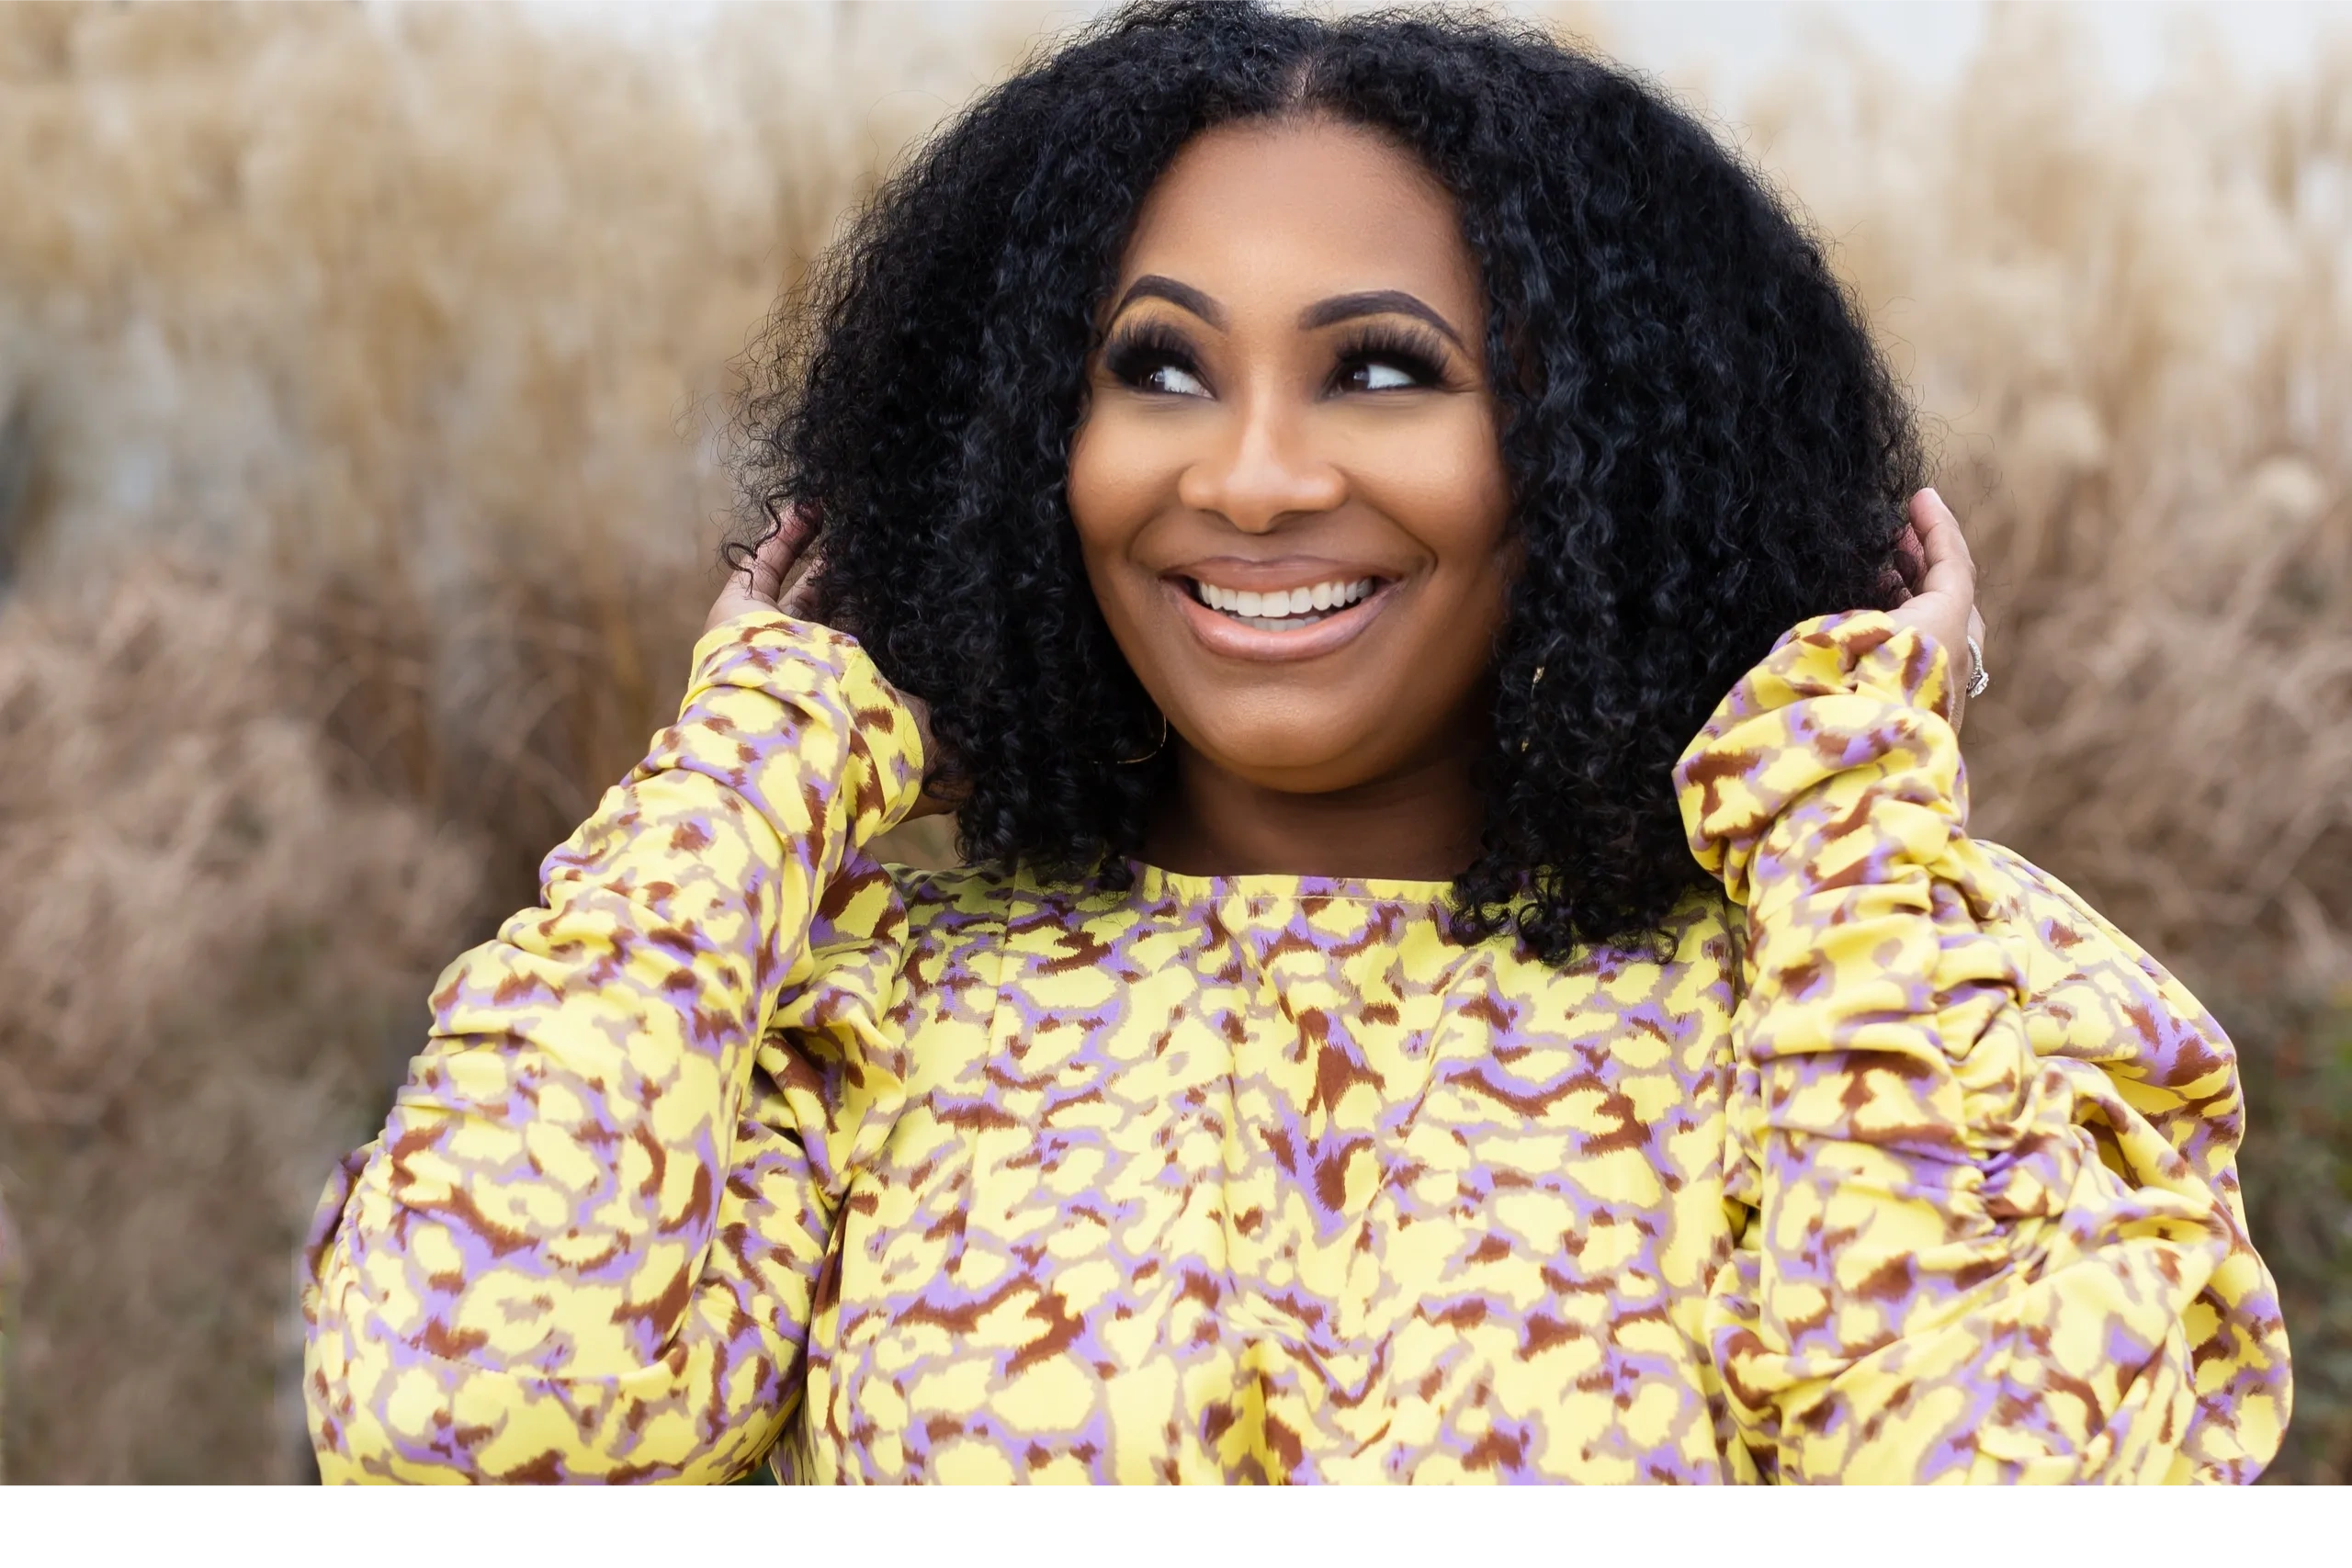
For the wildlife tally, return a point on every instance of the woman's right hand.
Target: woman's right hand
(782, 575)
(1940, 592)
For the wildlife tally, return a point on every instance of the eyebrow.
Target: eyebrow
(1183, 296)
(1376, 302)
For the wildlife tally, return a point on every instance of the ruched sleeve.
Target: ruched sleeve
(584, 1246)
(1981, 1148)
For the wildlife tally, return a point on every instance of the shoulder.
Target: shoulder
(959, 897)
(944, 903)
(1692, 954)
(968, 891)
(2062, 934)
(2092, 993)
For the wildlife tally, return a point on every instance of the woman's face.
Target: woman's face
(1287, 486)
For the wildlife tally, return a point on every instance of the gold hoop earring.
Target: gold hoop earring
(1531, 684)
(1147, 756)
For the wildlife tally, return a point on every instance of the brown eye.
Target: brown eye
(1173, 378)
(1151, 358)
(1389, 359)
(1377, 376)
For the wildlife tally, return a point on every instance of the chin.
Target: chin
(1283, 760)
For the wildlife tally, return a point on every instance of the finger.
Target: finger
(1910, 560)
(803, 568)
(1948, 565)
(800, 602)
(771, 562)
(1937, 528)
(1976, 625)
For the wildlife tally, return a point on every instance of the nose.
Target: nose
(1263, 470)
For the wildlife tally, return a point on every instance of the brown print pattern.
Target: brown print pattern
(1901, 1165)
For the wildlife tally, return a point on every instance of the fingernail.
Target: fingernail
(1937, 496)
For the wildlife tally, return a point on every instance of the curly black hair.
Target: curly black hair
(1704, 446)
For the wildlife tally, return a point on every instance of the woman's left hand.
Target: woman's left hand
(1941, 580)
(782, 575)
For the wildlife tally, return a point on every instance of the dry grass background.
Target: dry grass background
(363, 383)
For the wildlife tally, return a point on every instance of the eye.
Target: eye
(1389, 359)
(1155, 358)
(1377, 376)
(1173, 379)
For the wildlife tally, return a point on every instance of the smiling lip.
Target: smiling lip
(1317, 632)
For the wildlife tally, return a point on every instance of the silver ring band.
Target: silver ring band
(1978, 676)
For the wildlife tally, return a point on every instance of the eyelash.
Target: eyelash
(1409, 349)
(1135, 352)
(1139, 350)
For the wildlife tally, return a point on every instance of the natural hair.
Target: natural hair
(1703, 445)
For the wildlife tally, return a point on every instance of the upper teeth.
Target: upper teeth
(1273, 607)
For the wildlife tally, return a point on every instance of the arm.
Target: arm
(582, 1247)
(1985, 1149)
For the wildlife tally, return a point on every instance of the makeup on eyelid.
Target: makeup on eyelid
(1136, 352)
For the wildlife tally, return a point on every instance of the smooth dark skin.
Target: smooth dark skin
(1260, 443)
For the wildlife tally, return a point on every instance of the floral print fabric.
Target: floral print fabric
(1892, 1161)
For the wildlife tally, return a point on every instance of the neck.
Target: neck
(1418, 823)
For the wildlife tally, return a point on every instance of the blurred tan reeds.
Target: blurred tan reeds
(363, 383)
(210, 955)
(363, 378)
(2131, 324)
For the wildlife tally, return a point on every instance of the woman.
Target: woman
(1298, 489)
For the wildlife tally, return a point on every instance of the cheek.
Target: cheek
(1113, 488)
(1111, 500)
(1122, 479)
(1444, 483)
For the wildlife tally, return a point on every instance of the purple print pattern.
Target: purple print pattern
(1892, 1162)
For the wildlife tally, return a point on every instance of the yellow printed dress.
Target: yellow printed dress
(1893, 1163)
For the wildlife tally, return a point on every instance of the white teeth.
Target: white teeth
(1277, 611)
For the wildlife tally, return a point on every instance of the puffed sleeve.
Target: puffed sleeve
(1982, 1149)
(584, 1245)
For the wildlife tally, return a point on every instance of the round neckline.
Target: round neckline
(1152, 880)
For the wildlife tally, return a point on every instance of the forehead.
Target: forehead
(1281, 211)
